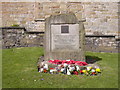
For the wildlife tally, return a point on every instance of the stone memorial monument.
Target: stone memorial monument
(64, 38)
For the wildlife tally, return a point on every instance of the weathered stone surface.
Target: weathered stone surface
(100, 16)
(60, 30)
(102, 44)
(20, 38)
(66, 40)
(35, 26)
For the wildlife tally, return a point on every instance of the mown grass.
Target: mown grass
(19, 71)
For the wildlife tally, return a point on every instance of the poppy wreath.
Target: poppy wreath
(68, 62)
(70, 67)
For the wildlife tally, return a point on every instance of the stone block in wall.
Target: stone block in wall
(101, 44)
(63, 7)
(35, 26)
(17, 11)
(102, 15)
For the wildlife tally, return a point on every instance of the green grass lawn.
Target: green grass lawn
(19, 71)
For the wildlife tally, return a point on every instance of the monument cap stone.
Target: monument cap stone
(64, 38)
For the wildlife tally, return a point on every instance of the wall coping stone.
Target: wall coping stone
(40, 20)
(43, 20)
(32, 32)
(12, 28)
(99, 35)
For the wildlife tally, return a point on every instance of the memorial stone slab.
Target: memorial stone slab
(64, 38)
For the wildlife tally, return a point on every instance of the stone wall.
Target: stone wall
(101, 17)
(101, 22)
(102, 44)
(19, 37)
(17, 13)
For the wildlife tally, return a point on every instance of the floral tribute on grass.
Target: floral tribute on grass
(69, 67)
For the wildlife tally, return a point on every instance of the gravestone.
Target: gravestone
(64, 38)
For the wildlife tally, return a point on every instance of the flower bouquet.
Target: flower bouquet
(69, 67)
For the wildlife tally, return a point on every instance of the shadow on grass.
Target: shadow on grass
(92, 59)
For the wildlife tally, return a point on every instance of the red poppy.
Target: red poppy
(45, 71)
(64, 61)
(68, 62)
(51, 68)
(75, 72)
(81, 71)
(93, 73)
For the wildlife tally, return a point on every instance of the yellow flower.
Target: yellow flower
(83, 71)
(98, 70)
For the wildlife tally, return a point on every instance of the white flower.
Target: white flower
(41, 70)
(46, 66)
(52, 70)
(71, 68)
(77, 67)
(59, 65)
(68, 72)
(68, 60)
(62, 70)
(65, 64)
(93, 70)
(88, 68)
